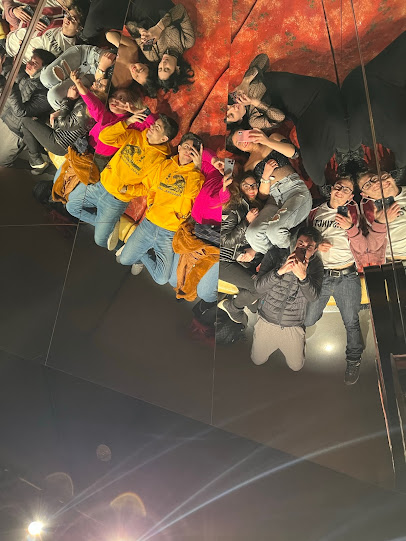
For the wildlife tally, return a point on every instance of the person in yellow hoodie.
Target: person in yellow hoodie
(174, 188)
(125, 176)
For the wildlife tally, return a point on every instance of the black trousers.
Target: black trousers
(38, 136)
(242, 278)
(386, 78)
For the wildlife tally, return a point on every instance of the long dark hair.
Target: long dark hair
(236, 194)
(183, 76)
(151, 86)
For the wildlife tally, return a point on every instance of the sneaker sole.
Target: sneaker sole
(222, 307)
(112, 241)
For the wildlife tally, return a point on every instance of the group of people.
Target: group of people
(253, 223)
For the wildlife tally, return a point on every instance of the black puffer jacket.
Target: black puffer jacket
(233, 228)
(284, 299)
(27, 99)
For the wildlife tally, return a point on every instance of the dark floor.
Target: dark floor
(69, 305)
(92, 463)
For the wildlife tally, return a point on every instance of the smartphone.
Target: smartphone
(343, 210)
(45, 20)
(228, 166)
(243, 136)
(147, 111)
(29, 10)
(148, 45)
(197, 146)
(300, 254)
(233, 96)
(388, 201)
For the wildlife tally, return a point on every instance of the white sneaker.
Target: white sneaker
(118, 253)
(113, 238)
(136, 268)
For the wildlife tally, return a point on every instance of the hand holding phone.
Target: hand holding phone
(243, 136)
(342, 210)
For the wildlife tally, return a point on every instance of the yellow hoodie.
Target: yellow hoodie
(172, 194)
(133, 163)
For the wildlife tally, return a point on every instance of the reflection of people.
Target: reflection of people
(27, 99)
(139, 153)
(91, 62)
(238, 259)
(170, 198)
(286, 285)
(288, 190)
(170, 37)
(386, 77)
(313, 104)
(54, 40)
(341, 279)
(370, 188)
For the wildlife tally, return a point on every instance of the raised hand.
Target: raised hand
(227, 180)
(21, 14)
(247, 256)
(269, 168)
(197, 156)
(324, 246)
(218, 163)
(391, 213)
(251, 215)
(345, 222)
(106, 60)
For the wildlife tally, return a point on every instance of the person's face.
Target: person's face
(156, 134)
(235, 112)
(245, 147)
(117, 103)
(34, 65)
(167, 67)
(249, 188)
(100, 85)
(341, 193)
(307, 244)
(70, 25)
(370, 186)
(185, 155)
(139, 72)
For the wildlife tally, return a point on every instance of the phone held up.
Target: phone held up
(342, 210)
(243, 136)
(148, 45)
(300, 254)
(228, 166)
(387, 202)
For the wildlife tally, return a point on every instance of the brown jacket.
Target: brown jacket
(196, 258)
(76, 168)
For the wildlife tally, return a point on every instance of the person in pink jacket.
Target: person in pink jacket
(121, 105)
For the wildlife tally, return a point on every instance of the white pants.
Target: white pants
(269, 337)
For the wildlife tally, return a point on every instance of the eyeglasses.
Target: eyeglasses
(248, 186)
(373, 180)
(70, 18)
(340, 187)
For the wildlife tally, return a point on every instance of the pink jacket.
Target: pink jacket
(208, 204)
(104, 117)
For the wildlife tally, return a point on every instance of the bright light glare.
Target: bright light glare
(35, 528)
(329, 347)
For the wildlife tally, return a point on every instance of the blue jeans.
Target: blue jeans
(82, 57)
(346, 291)
(96, 206)
(208, 285)
(290, 193)
(149, 236)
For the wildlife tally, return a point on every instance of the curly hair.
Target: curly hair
(179, 78)
(236, 195)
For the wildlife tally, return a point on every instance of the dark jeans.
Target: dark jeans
(242, 278)
(346, 291)
(38, 136)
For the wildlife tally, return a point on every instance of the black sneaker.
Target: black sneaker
(352, 372)
(235, 314)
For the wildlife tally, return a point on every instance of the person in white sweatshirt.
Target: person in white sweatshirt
(54, 40)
